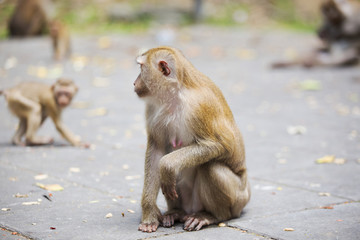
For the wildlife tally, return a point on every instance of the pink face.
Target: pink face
(63, 95)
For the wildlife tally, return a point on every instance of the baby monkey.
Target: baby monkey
(195, 152)
(33, 102)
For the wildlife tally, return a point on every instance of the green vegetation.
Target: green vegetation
(87, 17)
(5, 13)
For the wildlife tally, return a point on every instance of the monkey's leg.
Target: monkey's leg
(222, 194)
(16, 140)
(33, 122)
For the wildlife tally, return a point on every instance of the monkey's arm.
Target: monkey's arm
(338, 57)
(65, 132)
(187, 157)
(150, 212)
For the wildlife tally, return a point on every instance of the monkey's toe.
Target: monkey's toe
(148, 227)
(168, 220)
(195, 223)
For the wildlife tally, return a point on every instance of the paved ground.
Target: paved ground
(289, 188)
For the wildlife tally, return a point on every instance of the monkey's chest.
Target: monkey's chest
(178, 134)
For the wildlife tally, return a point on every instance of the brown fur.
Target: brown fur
(32, 102)
(29, 19)
(60, 40)
(195, 152)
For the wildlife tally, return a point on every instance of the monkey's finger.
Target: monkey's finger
(200, 225)
(193, 224)
(172, 220)
(188, 223)
(154, 227)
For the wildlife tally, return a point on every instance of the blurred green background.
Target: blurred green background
(112, 16)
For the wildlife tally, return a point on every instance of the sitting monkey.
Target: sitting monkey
(195, 152)
(339, 35)
(32, 102)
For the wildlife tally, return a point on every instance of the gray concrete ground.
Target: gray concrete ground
(289, 119)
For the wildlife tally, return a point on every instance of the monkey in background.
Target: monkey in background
(60, 40)
(29, 19)
(195, 152)
(33, 102)
(339, 35)
(32, 17)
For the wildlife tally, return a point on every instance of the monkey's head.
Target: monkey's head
(158, 77)
(64, 90)
(333, 19)
(341, 20)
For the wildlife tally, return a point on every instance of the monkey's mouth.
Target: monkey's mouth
(141, 92)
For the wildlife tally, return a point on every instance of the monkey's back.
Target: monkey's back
(35, 91)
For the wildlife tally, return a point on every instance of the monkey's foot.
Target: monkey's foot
(40, 141)
(18, 143)
(197, 221)
(148, 227)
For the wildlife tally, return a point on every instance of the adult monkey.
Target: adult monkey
(339, 35)
(32, 102)
(29, 18)
(195, 152)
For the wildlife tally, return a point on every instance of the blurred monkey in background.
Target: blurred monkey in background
(339, 35)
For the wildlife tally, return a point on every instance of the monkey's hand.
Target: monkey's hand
(84, 145)
(167, 178)
(169, 190)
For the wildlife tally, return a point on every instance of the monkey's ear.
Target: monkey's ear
(163, 66)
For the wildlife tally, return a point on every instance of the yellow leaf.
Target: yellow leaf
(50, 187)
(326, 159)
(41, 177)
(97, 112)
(30, 203)
(339, 161)
(289, 229)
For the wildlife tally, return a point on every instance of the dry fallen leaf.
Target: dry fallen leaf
(41, 177)
(74, 169)
(30, 203)
(222, 225)
(80, 104)
(310, 85)
(50, 187)
(326, 159)
(339, 161)
(104, 42)
(97, 112)
(18, 195)
(109, 215)
(100, 82)
(133, 177)
(294, 130)
(327, 207)
(324, 194)
(289, 229)
(14, 179)
(10, 63)
(5, 209)
(131, 211)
